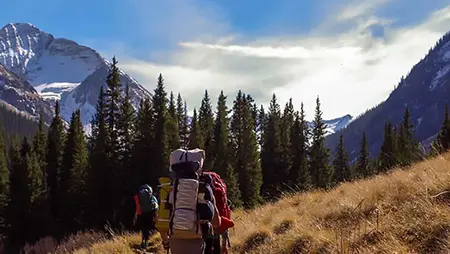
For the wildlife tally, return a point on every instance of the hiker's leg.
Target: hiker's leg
(146, 226)
(216, 244)
(208, 246)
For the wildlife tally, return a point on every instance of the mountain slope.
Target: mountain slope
(425, 91)
(58, 68)
(19, 94)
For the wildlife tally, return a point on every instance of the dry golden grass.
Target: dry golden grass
(127, 243)
(394, 213)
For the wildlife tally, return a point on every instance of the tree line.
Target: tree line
(61, 180)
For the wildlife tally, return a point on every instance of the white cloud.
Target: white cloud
(359, 8)
(351, 71)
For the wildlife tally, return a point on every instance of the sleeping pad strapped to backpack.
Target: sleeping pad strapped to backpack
(191, 196)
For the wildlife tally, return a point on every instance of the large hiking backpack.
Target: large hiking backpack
(164, 209)
(191, 195)
(220, 194)
(146, 199)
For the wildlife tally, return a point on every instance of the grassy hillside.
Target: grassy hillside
(400, 212)
(406, 211)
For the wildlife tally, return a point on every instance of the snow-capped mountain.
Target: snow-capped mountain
(425, 90)
(18, 93)
(58, 68)
(336, 124)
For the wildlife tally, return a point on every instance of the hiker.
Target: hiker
(194, 212)
(146, 210)
(213, 243)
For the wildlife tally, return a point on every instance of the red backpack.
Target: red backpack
(220, 194)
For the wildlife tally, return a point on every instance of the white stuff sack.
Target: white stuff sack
(180, 155)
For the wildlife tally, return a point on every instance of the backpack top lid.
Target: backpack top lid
(194, 158)
(146, 187)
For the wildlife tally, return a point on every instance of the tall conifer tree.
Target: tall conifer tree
(182, 120)
(73, 175)
(442, 142)
(387, 158)
(222, 164)
(247, 161)
(100, 180)
(271, 150)
(341, 167)
(363, 168)
(143, 170)
(287, 121)
(206, 123)
(195, 135)
(321, 171)
(173, 131)
(299, 172)
(55, 148)
(159, 103)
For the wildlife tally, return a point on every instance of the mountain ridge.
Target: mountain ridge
(60, 69)
(424, 91)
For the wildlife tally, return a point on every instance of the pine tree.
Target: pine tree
(341, 170)
(19, 204)
(206, 123)
(247, 164)
(363, 167)
(99, 173)
(271, 151)
(173, 131)
(38, 206)
(261, 123)
(143, 170)
(299, 171)
(159, 102)
(182, 120)
(4, 181)
(195, 135)
(409, 150)
(55, 148)
(287, 121)
(321, 171)
(442, 142)
(112, 99)
(222, 163)
(73, 174)
(40, 146)
(126, 127)
(387, 158)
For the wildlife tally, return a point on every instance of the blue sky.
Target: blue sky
(295, 48)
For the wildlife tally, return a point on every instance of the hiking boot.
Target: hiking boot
(144, 245)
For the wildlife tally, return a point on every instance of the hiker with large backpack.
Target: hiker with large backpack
(194, 213)
(146, 211)
(214, 244)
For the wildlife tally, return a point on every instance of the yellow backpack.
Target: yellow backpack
(164, 212)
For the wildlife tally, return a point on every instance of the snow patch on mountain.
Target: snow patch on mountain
(41, 59)
(60, 69)
(52, 91)
(336, 124)
(439, 75)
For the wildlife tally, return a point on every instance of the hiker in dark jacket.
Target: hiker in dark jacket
(146, 211)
